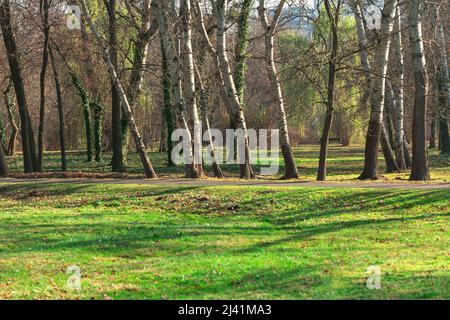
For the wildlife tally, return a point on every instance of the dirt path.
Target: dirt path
(256, 183)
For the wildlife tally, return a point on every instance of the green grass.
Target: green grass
(187, 243)
(344, 164)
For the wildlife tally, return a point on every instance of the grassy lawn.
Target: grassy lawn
(344, 164)
(229, 242)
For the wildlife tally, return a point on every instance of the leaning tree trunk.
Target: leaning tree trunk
(189, 81)
(174, 67)
(8, 96)
(444, 86)
(378, 93)
(147, 30)
(148, 168)
(220, 8)
(420, 165)
(44, 11)
(334, 19)
(60, 105)
(389, 157)
(291, 171)
(29, 155)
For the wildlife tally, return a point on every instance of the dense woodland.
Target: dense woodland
(135, 70)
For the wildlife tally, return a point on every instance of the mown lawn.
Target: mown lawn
(344, 164)
(144, 242)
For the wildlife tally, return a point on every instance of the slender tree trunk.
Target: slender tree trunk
(363, 53)
(444, 86)
(389, 156)
(118, 160)
(146, 31)
(148, 168)
(420, 169)
(171, 50)
(397, 88)
(205, 110)
(378, 93)
(220, 8)
(3, 163)
(9, 103)
(433, 132)
(43, 8)
(291, 171)
(16, 76)
(82, 93)
(98, 111)
(189, 81)
(334, 20)
(60, 105)
(169, 115)
(408, 158)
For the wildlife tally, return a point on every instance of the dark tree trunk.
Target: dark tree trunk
(16, 75)
(60, 106)
(118, 160)
(43, 9)
(86, 113)
(433, 128)
(420, 165)
(98, 110)
(334, 19)
(408, 159)
(3, 163)
(9, 103)
(169, 114)
(389, 157)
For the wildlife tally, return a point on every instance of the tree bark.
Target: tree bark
(291, 171)
(220, 8)
(60, 106)
(169, 116)
(378, 93)
(118, 160)
(420, 165)
(443, 85)
(44, 11)
(28, 144)
(334, 20)
(174, 66)
(8, 97)
(397, 88)
(189, 81)
(148, 168)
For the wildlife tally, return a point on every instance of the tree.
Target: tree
(220, 9)
(333, 17)
(8, 97)
(28, 143)
(44, 7)
(377, 99)
(443, 84)
(118, 160)
(148, 168)
(60, 106)
(420, 165)
(291, 171)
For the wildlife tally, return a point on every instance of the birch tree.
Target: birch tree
(148, 168)
(377, 99)
(291, 171)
